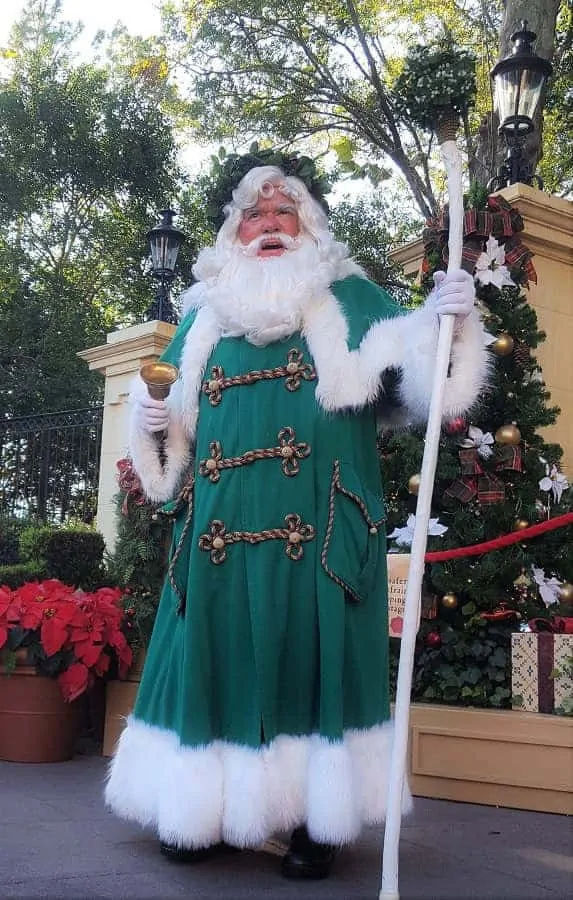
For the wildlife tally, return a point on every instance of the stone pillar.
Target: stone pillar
(119, 359)
(548, 233)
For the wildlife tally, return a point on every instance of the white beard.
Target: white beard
(263, 299)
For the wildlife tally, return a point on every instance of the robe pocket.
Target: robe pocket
(353, 540)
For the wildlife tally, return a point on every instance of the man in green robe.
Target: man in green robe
(264, 703)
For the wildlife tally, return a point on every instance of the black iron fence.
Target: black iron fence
(49, 466)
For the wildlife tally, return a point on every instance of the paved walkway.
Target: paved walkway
(58, 841)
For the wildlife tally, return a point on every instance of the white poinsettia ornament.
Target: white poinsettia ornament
(490, 266)
(479, 440)
(548, 587)
(404, 536)
(554, 481)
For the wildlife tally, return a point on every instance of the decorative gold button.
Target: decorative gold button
(287, 452)
(214, 385)
(292, 368)
(294, 537)
(374, 530)
(218, 543)
(211, 464)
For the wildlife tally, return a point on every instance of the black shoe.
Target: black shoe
(177, 854)
(305, 858)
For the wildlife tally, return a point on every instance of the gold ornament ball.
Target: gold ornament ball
(508, 434)
(503, 346)
(520, 524)
(414, 483)
(449, 601)
(566, 592)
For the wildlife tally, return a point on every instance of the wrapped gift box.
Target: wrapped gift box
(535, 656)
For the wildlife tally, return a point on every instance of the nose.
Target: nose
(271, 222)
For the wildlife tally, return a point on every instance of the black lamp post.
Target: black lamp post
(518, 82)
(164, 241)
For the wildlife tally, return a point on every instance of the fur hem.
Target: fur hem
(196, 797)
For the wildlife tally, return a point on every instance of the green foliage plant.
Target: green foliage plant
(436, 80)
(75, 556)
(71, 554)
(14, 576)
(139, 558)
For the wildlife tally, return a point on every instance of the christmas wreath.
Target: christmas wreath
(227, 172)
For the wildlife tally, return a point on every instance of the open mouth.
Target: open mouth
(272, 244)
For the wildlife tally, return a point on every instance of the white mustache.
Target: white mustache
(288, 242)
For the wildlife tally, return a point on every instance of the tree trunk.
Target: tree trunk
(541, 17)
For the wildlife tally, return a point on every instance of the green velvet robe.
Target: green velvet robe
(265, 688)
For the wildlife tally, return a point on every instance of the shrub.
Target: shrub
(75, 556)
(33, 541)
(17, 575)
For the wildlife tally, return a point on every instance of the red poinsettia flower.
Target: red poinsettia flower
(55, 626)
(74, 681)
(80, 634)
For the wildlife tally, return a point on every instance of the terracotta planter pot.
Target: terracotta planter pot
(36, 724)
(136, 670)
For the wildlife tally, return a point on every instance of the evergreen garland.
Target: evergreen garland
(139, 560)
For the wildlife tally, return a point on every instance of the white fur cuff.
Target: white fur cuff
(160, 481)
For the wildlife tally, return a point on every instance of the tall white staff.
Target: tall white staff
(446, 128)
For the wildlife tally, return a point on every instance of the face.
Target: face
(268, 217)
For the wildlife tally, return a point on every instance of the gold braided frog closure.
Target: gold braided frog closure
(295, 535)
(295, 371)
(288, 451)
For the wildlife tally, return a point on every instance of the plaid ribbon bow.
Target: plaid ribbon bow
(475, 481)
(500, 219)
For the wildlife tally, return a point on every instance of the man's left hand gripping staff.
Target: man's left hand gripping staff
(453, 294)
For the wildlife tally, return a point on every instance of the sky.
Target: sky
(139, 16)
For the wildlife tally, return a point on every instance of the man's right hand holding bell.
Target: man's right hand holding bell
(152, 414)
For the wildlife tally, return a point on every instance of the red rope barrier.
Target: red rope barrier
(504, 541)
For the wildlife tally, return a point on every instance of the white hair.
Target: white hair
(263, 181)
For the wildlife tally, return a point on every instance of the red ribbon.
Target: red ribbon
(505, 540)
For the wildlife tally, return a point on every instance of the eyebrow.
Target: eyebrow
(284, 207)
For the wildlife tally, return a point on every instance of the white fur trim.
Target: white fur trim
(159, 482)
(200, 341)
(195, 797)
(469, 365)
(350, 379)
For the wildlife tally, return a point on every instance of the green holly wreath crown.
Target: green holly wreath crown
(226, 174)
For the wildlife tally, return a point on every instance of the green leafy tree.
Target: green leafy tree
(324, 73)
(86, 157)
